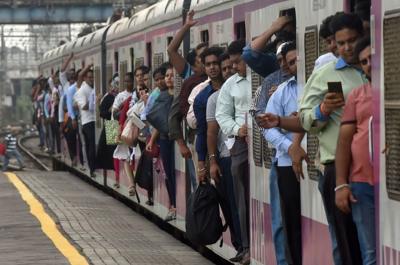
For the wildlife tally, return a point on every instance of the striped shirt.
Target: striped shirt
(11, 142)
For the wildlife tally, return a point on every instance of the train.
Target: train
(143, 39)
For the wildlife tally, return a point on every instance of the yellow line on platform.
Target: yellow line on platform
(48, 225)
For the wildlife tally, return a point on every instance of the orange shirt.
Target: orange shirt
(358, 110)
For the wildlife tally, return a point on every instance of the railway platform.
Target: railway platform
(56, 218)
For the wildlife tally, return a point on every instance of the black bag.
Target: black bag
(158, 114)
(203, 221)
(144, 172)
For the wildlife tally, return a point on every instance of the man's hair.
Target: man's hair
(191, 57)
(130, 74)
(217, 51)
(324, 29)
(223, 57)
(57, 72)
(289, 46)
(236, 47)
(160, 70)
(144, 69)
(363, 10)
(201, 45)
(361, 45)
(343, 20)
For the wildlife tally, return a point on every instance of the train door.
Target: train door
(386, 125)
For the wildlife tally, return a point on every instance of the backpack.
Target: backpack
(158, 114)
(203, 221)
(190, 117)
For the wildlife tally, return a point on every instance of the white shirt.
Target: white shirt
(120, 98)
(65, 85)
(324, 59)
(82, 97)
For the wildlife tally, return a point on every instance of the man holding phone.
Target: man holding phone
(320, 113)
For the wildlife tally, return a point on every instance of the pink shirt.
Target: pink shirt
(358, 110)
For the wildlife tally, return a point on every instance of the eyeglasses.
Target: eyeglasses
(366, 60)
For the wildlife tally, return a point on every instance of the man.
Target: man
(284, 102)
(298, 154)
(11, 150)
(220, 164)
(231, 114)
(192, 71)
(82, 98)
(320, 113)
(260, 62)
(262, 95)
(226, 66)
(70, 131)
(354, 174)
(66, 80)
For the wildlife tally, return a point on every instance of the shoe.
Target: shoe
(170, 216)
(238, 257)
(116, 185)
(246, 258)
(150, 202)
(132, 191)
(93, 175)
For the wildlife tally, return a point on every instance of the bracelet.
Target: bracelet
(279, 121)
(345, 185)
(211, 157)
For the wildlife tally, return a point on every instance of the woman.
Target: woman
(104, 157)
(166, 145)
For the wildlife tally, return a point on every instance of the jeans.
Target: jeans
(10, 154)
(342, 224)
(289, 191)
(192, 173)
(363, 212)
(331, 224)
(227, 201)
(40, 129)
(167, 154)
(278, 235)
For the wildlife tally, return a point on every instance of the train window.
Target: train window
(109, 73)
(257, 135)
(204, 36)
(311, 50)
(158, 59)
(149, 54)
(131, 56)
(391, 38)
(169, 39)
(123, 70)
(116, 61)
(240, 30)
(97, 86)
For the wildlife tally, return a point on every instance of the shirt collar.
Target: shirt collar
(341, 64)
(239, 78)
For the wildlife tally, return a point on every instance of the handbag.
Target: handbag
(130, 133)
(112, 131)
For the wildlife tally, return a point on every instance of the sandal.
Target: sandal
(116, 185)
(132, 191)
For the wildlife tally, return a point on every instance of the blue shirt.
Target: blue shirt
(70, 101)
(46, 105)
(200, 112)
(261, 96)
(261, 63)
(187, 71)
(283, 103)
(150, 103)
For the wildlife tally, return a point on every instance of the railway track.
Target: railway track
(40, 160)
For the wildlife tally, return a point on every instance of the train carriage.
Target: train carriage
(143, 39)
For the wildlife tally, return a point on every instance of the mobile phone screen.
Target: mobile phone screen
(335, 87)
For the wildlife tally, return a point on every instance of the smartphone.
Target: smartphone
(335, 87)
